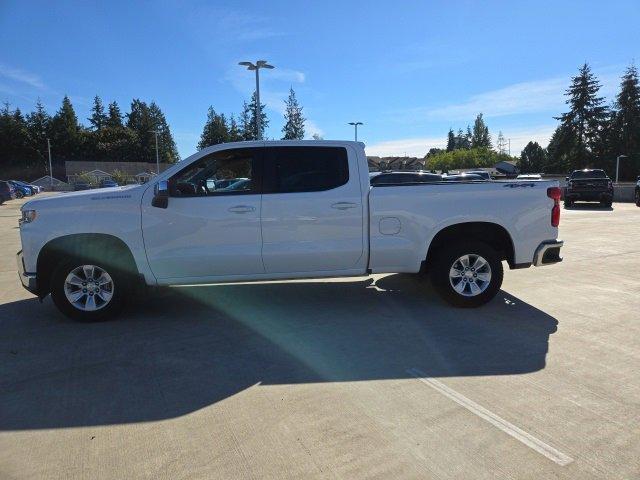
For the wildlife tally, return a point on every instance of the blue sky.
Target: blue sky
(408, 69)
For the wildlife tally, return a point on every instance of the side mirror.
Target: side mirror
(161, 194)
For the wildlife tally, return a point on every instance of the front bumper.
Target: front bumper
(548, 252)
(28, 280)
(596, 196)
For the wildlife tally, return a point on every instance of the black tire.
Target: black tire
(568, 204)
(19, 194)
(120, 287)
(606, 204)
(638, 198)
(444, 260)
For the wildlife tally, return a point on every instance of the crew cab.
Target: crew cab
(297, 209)
(589, 185)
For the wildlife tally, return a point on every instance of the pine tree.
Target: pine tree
(451, 141)
(264, 121)
(626, 119)
(114, 119)
(234, 131)
(168, 152)
(215, 130)
(532, 158)
(293, 128)
(582, 126)
(38, 125)
(246, 131)
(98, 119)
(66, 136)
(480, 137)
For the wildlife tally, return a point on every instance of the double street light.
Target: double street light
(257, 66)
(355, 124)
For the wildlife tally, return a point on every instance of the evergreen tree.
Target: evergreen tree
(294, 121)
(167, 149)
(480, 137)
(98, 118)
(142, 126)
(246, 131)
(264, 121)
(114, 119)
(532, 158)
(625, 134)
(38, 124)
(581, 128)
(215, 130)
(66, 137)
(235, 135)
(451, 141)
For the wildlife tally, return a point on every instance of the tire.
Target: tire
(73, 278)
(19, 194)
(606, 204)
(568, 204)
(638, 198)
(447, 260)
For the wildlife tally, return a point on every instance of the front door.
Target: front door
(211, 227)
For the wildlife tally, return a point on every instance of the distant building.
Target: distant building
(45, 182)
(136, 172)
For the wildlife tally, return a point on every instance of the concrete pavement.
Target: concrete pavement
(347, 378)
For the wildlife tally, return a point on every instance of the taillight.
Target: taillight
(554, 193)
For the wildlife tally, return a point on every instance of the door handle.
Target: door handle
(344, 205)
(242, 209)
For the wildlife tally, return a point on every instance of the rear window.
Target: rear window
(305, 169)
(589, 174)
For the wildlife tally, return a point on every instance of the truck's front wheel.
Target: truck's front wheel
(87, 292)
(467, 274)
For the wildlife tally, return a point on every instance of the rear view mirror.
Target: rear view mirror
(161, 194)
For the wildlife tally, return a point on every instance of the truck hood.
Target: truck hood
(83, 197)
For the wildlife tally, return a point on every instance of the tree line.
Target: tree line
(220, 128)
(110, 136)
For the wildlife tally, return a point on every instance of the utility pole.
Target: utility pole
(157, 155)
(50, 169)
(355, 124)
(257, 66)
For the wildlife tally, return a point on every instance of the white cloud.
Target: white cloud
(21, 76)
(535, 96)
(311, 129)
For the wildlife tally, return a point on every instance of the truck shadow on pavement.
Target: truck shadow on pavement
(191, 347)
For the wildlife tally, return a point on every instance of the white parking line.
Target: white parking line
(517, 433)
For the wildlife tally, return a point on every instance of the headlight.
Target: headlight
(28, 216)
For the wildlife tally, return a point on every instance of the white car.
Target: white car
(306, 210)
(529, 176)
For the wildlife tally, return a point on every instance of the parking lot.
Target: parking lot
(349, 378)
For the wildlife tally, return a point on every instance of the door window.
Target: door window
(305, 169)
(228, 172)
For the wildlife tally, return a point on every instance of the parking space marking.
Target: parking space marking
(529, 440)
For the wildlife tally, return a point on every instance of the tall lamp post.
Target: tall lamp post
(355, 124)
(257, 66)
(618, 165)
(50, 170)
(155, 132)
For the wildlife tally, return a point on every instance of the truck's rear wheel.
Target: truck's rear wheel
(467, 274)
(87, 292)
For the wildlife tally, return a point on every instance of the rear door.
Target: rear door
(312, 212)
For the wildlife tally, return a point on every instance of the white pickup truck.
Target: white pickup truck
(255, 211)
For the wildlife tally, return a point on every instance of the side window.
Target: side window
(305, 169)
(227, 172)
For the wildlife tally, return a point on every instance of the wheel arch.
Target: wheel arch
(492, 234)
(99, 247)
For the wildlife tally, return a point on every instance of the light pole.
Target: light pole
(257, 66)
(355, 124)
(618, 165)
(50, 170)
(157, 156)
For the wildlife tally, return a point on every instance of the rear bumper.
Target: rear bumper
(597, 195)
(548, 252)
(28, 280)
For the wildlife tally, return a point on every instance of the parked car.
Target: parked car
(81, 186)
(7, 192)
(481, 173)
(529, 176)
(106, 183)
(392, 178)
(637, 193)
(589, 185)
(308, 211)
(34, 189)
(21, 190)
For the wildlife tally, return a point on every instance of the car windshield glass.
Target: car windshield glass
(589, 174)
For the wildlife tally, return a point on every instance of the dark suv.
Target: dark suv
(7, 192)
(589, 185)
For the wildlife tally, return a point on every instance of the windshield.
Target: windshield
(588, 174)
